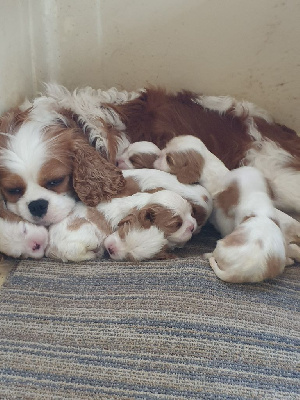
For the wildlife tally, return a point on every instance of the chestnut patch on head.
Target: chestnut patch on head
(228, 198)
(143, 160)
(55, 175)
(160, 216)
(187, 165)
(126, 224)
(13, 186)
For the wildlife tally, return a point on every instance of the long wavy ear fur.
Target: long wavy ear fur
(94, 178)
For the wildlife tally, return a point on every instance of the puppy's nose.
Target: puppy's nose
(111, 250)
(191, 228)
(38, 208)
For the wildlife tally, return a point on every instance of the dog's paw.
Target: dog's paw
(30, 240)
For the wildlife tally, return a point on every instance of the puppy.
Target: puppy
(80, 236)
(254, 247)
(147, 180)
(254, 251)
(133, 241)
(138, 155)
(238, 195)
(189, 159)
(19, 238)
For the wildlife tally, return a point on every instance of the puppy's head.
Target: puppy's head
(138, 155)
(46, 164)
(181, 158)
(133, 242)
(172, 214)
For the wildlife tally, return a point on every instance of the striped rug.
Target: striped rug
(153, 330)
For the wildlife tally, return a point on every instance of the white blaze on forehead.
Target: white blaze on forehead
(26, 151)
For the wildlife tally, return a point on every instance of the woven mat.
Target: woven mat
(153, 330)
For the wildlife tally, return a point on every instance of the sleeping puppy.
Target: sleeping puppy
(81, 235)
(253, 247)
(138, 155)
(188, 158)
(238, 195)
(147, 180)
(135, 241)
(19, 238)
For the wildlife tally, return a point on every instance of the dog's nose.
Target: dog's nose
(191, 228)
(38, 208)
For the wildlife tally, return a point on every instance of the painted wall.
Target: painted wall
(247, 49)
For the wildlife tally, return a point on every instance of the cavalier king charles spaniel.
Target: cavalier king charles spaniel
(46, 163)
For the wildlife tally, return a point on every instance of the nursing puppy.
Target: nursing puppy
(239, 195)
(81, 235)
(19, 238)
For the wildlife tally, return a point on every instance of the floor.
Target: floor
(5, 267)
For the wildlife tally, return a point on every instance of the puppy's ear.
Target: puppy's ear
(94, 178)
(191, 169)
(146, 217)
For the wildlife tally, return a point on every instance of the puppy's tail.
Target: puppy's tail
(226, 275)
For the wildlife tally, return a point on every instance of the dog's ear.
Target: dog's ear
(94, 178)
(191, 169)
(147, 216)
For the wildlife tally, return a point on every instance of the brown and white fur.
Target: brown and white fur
(150, 180)
(19, 238)
(46, 163)
(243, 213)
(237, 132)
(80, 236)
(138, 155)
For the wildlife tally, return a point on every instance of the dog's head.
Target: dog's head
(46, 163)
(133, 242)
(149, 230)
(181, 157)
(138, 155)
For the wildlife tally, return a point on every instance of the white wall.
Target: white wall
(246, 48)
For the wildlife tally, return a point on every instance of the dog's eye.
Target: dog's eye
(170, 159)
(15, 191)
(54, 182)
(178, 224)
